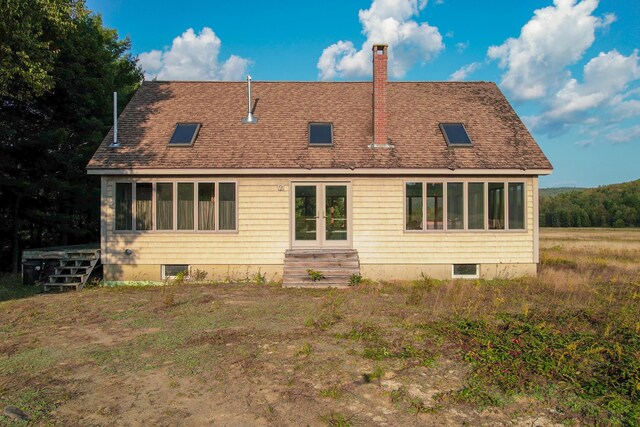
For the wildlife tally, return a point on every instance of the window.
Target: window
(171, 271)
(185, 206)
(124, 206)
(227, 208)
(465, 271)
(164, 206)
(455, 206)
(206, 205)
(496, 206)
(435, 205)
(180, 206)
(320, 134)
(475, 205)
(455, 134)
(414, 206)
(464, 206)
(516, 205)
(144, 197)
(184, 134)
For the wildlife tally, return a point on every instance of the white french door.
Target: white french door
(321, 215)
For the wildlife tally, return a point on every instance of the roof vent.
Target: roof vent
(249, 119)
(115, 142)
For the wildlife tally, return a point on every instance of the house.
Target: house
(384, 179)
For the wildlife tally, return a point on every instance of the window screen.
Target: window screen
(414, 206)
(227, 208)
(320, 134)
(124, 206)
(144, 194)
(516, 205)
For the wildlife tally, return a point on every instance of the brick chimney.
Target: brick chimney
(380, 95)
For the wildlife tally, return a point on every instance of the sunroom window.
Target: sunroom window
(164, 206)
(144, 198)
(227, 208)
(124, 206)
(435, 206)
(414, 206)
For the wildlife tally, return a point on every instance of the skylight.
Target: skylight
(184, 134)
(320, 134)
(455, 134)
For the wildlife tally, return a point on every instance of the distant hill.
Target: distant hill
(616, 205)
(550, 192)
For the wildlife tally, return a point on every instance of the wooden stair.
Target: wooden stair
(337, 266)
(74, 270)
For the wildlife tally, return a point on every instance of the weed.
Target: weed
(336, 419)
(198, 275)
(306, 350)
(315, 275)
(374, 375)
(355, 279)
(333, 392)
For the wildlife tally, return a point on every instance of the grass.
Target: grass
(11, 287)
(564, 345)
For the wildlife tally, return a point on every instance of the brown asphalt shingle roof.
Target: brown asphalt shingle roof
(284, 109)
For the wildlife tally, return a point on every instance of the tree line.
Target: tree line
(58, 68)
(616, 205)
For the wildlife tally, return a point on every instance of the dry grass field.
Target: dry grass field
(559, 349)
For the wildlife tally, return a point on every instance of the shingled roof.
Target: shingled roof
(280, 138)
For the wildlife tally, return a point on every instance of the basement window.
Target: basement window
(455, 134)
(184, 134)
(320, 134)
(465, 271)
(171, 271)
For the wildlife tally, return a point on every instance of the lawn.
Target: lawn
(562, 348)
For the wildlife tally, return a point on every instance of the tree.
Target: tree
(50, 130)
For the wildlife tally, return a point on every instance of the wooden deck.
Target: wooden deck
(73, 264)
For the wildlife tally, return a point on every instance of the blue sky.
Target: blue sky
(570, 68)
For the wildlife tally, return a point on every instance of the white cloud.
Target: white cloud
(605, 79)
(390, 22)
(463, 72)
(461, 47)
(625, 135)
(193, 57)
(556, 37)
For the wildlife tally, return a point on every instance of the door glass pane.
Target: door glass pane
(305, 212)
(164, 206)
(143, 206)
(516, 206)
(124, 209)
(476, 205)
(414, 206)
(496, 206)
(206, 205)
(185, 206)
(227, 208)
(336, 212)
(434, 206)
(455, 206)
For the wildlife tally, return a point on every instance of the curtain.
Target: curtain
(206, 215)
(185, 206)
(228, 215)
(164, 206)
(143, 206)
(124, 211)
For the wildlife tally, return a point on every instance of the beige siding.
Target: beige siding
(379, 236)
(261, 239)
(377, 212)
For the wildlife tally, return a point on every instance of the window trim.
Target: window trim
(174, 182)
(309, 134)
(193, 138)
(446, 137)
(465, 276)
(465, 193)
